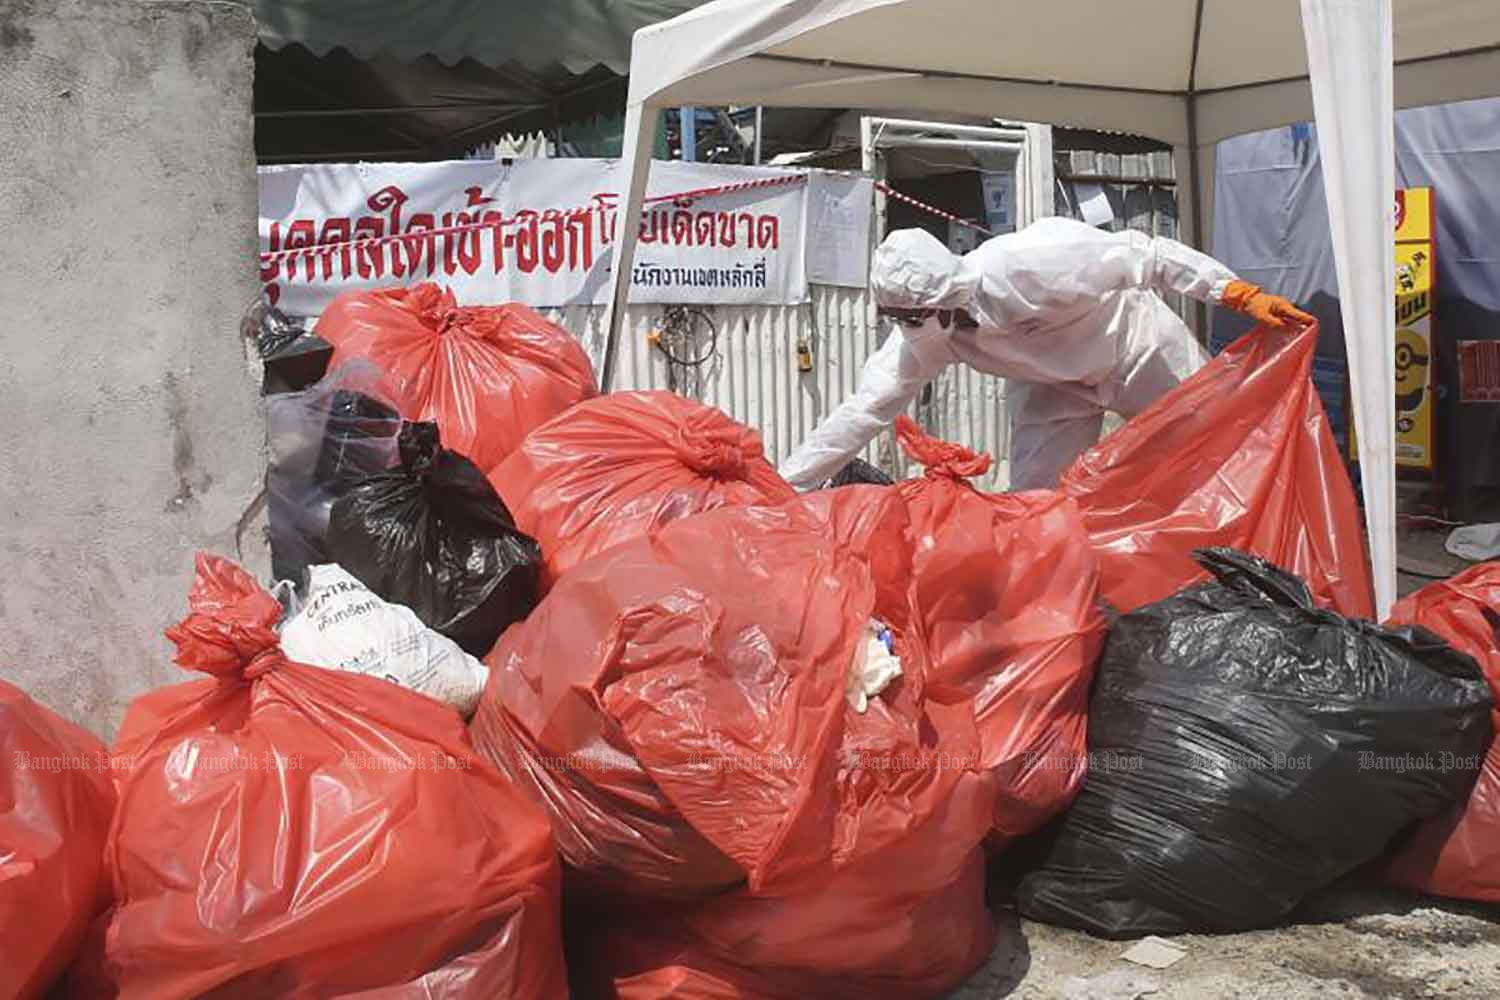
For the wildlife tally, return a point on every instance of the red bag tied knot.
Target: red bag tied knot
(713, 455)
(939, 459)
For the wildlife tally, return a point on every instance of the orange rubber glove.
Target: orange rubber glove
(1271, 310)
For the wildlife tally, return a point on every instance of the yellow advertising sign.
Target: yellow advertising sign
(1415, 361)
(1414, 215)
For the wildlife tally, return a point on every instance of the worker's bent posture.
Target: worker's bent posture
(1070, 315)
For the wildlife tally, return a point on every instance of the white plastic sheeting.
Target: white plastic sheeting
(1349, 55)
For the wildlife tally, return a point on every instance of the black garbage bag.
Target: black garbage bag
(1247, 748)
(858, 471)
(270, 328)
(433, 534)
(323, 440)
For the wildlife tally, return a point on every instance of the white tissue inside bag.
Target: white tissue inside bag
(870, 672)
(343, 625)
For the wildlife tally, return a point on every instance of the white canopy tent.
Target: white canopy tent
(1188, 72)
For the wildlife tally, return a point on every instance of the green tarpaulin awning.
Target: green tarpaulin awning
(575, 34)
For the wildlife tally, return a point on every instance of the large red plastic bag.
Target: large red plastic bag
(1006, 586)
(55, 806)
(1457, 853)
(1239, 455)
(615, 467)
(889, 898)
(904, 924)
(487, 375)
(286, 830)
(656, 700)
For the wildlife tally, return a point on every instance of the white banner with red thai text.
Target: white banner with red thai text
(535, 231)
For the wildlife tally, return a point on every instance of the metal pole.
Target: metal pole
(920, 142)
(760, 120)
(689, 115)
(635, 160)
(889, 126)
(1195, 199)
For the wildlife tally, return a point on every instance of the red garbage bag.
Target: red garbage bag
(286, 830)
(886, 897)
(486, 375)
(1239, 455)
(1006, 586)
(1458, 852)
(672, 700)
(618, 466)
(900, 925)
(55, 805)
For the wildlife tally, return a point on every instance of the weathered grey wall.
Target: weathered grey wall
(130, 432)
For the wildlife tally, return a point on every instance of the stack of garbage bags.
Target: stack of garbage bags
(681, 706)
(753, 789)
(771, 738)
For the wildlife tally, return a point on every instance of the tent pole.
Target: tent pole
(1195, 201)
(687, 116)
(1195, 177)
(635, 160)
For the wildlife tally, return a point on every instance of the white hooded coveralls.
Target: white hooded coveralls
(1070, 315)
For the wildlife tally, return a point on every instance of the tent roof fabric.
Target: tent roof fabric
(339, 107)
(578, 34)
(1119, 65)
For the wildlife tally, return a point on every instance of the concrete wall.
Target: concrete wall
(130, 432)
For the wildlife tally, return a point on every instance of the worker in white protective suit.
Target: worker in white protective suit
(1070, 315)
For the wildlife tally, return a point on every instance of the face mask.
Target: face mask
(922, 325)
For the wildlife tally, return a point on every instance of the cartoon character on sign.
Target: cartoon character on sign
(1407, 274)
(1411, 377)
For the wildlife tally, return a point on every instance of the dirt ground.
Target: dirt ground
(1357, 941)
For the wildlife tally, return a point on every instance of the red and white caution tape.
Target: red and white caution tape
(891, 192)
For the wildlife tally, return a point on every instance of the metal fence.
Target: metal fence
(753, 373)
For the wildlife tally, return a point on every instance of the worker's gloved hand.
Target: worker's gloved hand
(1271, 310)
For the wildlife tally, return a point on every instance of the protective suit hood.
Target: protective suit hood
(912, 270)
